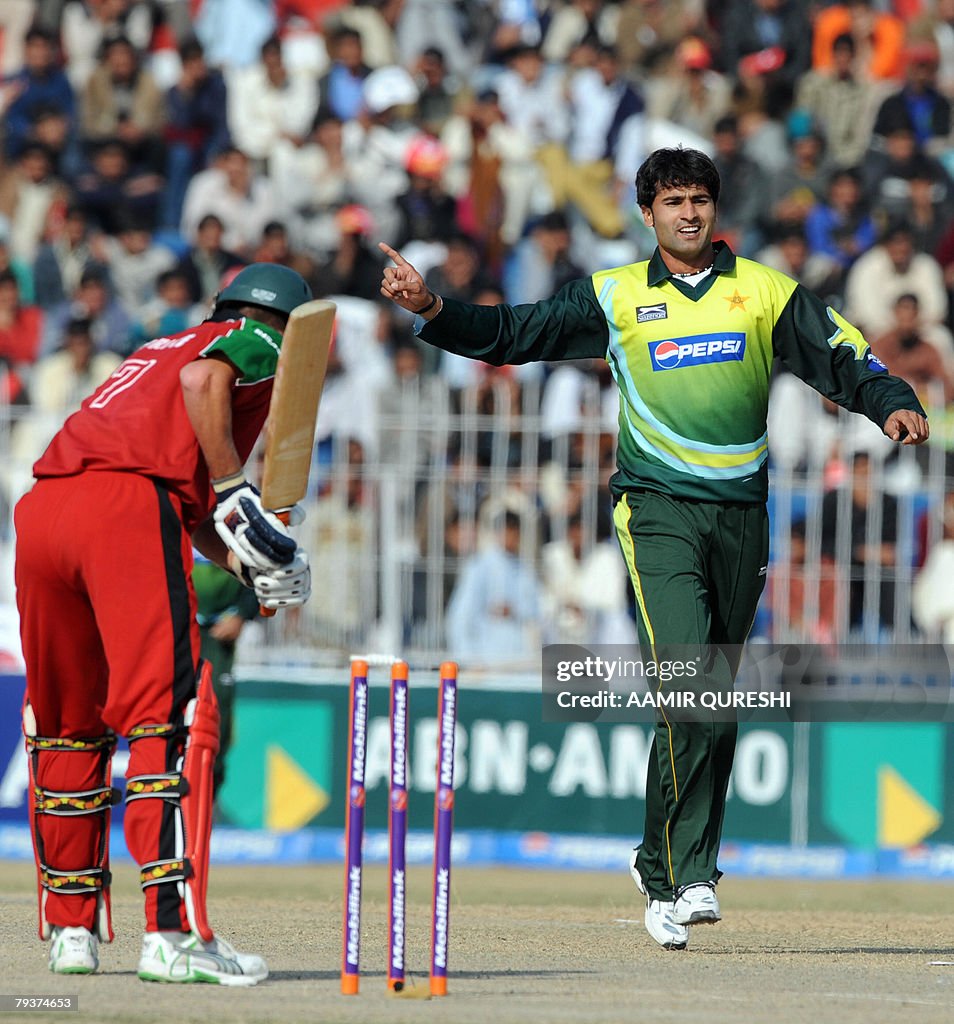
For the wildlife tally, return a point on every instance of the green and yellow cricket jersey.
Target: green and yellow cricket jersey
(693, 364)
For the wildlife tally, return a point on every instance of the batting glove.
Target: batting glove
(259, 539)
(286, 587)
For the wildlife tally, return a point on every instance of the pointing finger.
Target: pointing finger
(394, 254)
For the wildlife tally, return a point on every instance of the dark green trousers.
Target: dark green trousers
(698, 569)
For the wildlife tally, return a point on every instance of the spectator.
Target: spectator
(796, 188)
(790, 254)
(61, 261)
(808, 432)
(52, 128)
(492, 172)
(427, 213)
(432, 25)
(889, 171)
(243, 200)
(691, 93)
(135, 261)
(196, 127)
(121, 100)
(275, 247)
(868, 546)
(16, 17)
(232, 31)
(932, 596)
(169, 311)
(267, 102)
(582, 174)
(461, 275)
(937, 22)
(891, 269)
(649, 29)
(92, 301)
(21, 326)
(742, 205)
(541, 263)
(19, 268)
(58, 384)
(589, 22)
(760, 28)
(86, 26)
(840, 226)
(112, 188)
(341, 529)
(352, 268)
(908, 353)
(494, 611)
(585, 590)
(878, 36)
(841, 102)
(435, 103)
(31, 197)
(918, 103)
(39, 83)
(206, 262)
(342, 88)
(376, 147)
(375, 21)
(532, 98)
(314, 181)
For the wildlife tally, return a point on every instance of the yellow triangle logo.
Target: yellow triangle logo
(292, 797)
(904, 816)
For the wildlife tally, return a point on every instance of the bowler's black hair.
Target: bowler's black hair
(675, 168)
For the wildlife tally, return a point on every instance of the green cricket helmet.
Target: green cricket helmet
(269, 285)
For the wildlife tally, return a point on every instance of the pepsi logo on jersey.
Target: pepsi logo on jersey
(697, 350)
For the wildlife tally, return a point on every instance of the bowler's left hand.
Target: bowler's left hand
(907, 426)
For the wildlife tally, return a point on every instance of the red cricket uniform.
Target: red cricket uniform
(103, 574)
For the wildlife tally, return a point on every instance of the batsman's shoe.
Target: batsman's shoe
(183, 957)
(659, 919)
(697, 904)
(73, 951)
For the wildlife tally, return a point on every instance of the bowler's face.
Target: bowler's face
(683, 220)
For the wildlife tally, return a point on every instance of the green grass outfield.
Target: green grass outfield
(526, 946)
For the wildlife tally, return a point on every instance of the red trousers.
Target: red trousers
(107, 620)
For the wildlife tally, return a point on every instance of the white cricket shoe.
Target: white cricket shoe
(73, 950)
(183, 957)
(660, 923)
(697, 904)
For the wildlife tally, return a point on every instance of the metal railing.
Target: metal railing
(395, 518)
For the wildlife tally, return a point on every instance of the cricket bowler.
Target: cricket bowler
(151, 464)
(690, 335)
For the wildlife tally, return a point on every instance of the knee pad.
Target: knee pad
(190, 790)
(98, 802)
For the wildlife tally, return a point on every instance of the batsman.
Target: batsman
(690, 336)
(150, 465)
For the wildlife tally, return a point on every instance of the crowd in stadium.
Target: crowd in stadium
(150, 148)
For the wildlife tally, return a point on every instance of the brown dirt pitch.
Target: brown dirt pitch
(534, 947)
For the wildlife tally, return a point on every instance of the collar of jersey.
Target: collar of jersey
(723, 262)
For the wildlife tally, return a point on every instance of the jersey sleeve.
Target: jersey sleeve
(570, 325)
(827, 352)
(252, 348)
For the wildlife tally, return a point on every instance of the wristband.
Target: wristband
(429, 306)
(228, 483)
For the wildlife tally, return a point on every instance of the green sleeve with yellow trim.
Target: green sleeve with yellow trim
(570, 325)
(829, 354)
(252, 348)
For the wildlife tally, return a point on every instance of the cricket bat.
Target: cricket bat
(290, 428)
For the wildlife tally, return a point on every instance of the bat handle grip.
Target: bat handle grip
(267, 613)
